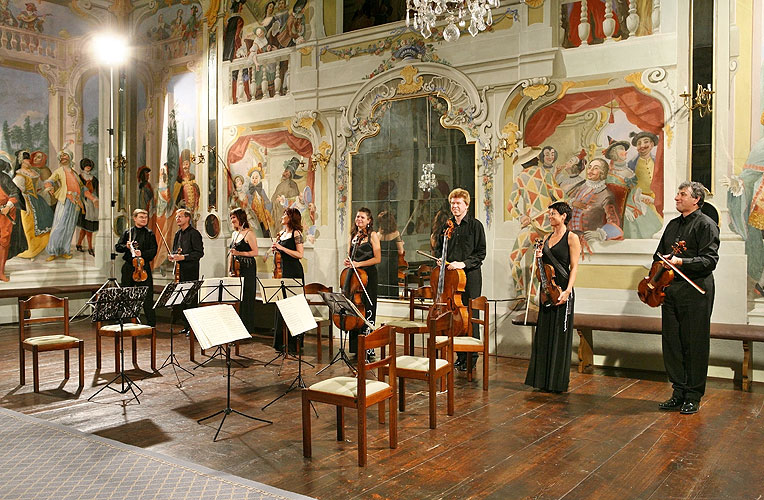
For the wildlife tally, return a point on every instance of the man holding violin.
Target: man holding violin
(686, 311)
(188, 250)
(139, 247)
(466, 250)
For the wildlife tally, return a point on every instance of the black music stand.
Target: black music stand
(175, 294)
(273, 290)
(298, 319)
(344, 308)
(220, 291)
(219, 325)
(120, 304)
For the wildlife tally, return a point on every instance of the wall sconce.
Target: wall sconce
(197, 159)
(486, 150)
(121, 161)
(702, 101)
(503, 147)
(321, 157)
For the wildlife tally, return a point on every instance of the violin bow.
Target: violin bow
(528, 293)
(355, 270)
(429, 256)
(680, 273)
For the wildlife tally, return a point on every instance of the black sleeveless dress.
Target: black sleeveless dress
(549, 367)
(365, 252)
(248, 272)
(290, 268)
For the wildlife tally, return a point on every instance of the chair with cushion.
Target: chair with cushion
(431, 369)
(356, 392)
(133, 330)
(314, 289)
(467, 343)
(419, 300)
(45, 343)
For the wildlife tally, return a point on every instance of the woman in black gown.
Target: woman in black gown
(549, 367)
(244, 250)
(367, 255)
(391, 246)
(289, 245)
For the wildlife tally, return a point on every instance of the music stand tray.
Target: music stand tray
(226, 290)
(344, 308)
(219, 325)
(120, 304)
(273, 290)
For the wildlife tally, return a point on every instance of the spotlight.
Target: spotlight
(110, 49)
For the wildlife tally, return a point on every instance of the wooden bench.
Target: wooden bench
(585, 324)
(58, 290)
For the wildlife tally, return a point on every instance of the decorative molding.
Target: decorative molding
(535, 91)
(636, 80)
(308, 124)
(564, 87)
(534, 4)
(411, 82)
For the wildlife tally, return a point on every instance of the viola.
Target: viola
(354, 281)
(278, 270)
(451, 284)
(139, 273)
(550, 291)
(235, 269)
(652, 288)
(176, 269)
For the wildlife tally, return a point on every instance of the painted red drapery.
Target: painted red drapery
(643, 111)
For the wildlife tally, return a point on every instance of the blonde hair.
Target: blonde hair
(460, 193)
(139, 211)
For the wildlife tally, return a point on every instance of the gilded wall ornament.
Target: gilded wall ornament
(411, 83)
(535, 91)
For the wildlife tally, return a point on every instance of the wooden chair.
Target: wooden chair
(133, 330)
(420, 278)
(314, 289)
(351, 392)
(44, 343)
(430, 368)
(419, 300)
(467, 343)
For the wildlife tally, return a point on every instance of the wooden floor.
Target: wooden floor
(604, 439)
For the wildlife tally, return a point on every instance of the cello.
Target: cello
(451, 284)
(549, 290)
(354, 281)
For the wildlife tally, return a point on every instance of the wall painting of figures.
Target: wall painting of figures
(269, 172)
(174, 30)
(602, 152)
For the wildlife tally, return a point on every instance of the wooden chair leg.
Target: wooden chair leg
(393, 422)
(585, 351)
(431, 382)
(331, 339)
(469, 367)
(318, 343)
(22, 366)
(98, 350)
(66, 364)
(154, 350)
(381, 405)
(450, 377)
(747, 365)
(116, 353)
(81, 353)
(340, 423)
(401, 394)
(307, 450)
(135, 352)
(36, 369)
(361, 436)
(485, 366)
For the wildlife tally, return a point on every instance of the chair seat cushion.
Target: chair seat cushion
(461, 341)
(129, 329)
(50, 340)
(418, 363)
(406, 323)
(347, 386)
(321, 319)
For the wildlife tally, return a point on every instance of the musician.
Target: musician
(142, 240)
(243, 250)
(289, 245)
(466, 250)
(686, 313)
(549, 366)
(188, 250)
(367, 255)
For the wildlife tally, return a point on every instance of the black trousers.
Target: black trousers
(686, 322)
(148, 304)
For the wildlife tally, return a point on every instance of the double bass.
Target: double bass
(549, 290)
(451, 284)
(354, 282)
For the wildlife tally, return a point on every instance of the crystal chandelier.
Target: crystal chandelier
(428, 181)
(427, 12)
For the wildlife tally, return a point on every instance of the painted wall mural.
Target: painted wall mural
(175, 29)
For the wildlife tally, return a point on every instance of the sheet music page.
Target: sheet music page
(297, 314)
(216, 325)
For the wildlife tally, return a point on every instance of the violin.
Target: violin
(176, 269)
(235, 269)
(652, 288)
(451, 284)
(550, 291)
(354, 281)
(139, 273)
(278, 271)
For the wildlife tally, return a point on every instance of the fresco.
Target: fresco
(177, 27)
(602, 152)
(570, 18)
(270, 172)
(49, 18)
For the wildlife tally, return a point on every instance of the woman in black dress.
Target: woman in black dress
(367, 255)
(289, 245)
(244, 250)
(391, 246)
(549, 367)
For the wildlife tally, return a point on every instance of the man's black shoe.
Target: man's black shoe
(689, 407)
(460, 365)
(672, 404)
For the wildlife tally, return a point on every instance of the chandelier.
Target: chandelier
(427, 12)
(428, 181)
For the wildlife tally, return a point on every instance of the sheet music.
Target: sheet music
(181, 291)
(216, 325)
(221, 290)
(297, 314)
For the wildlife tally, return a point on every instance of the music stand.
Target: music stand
(172, 295)
(273, 290)
(220, 291)
(120, 304)
(341, 306)
(298, 319)
(214, 326)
